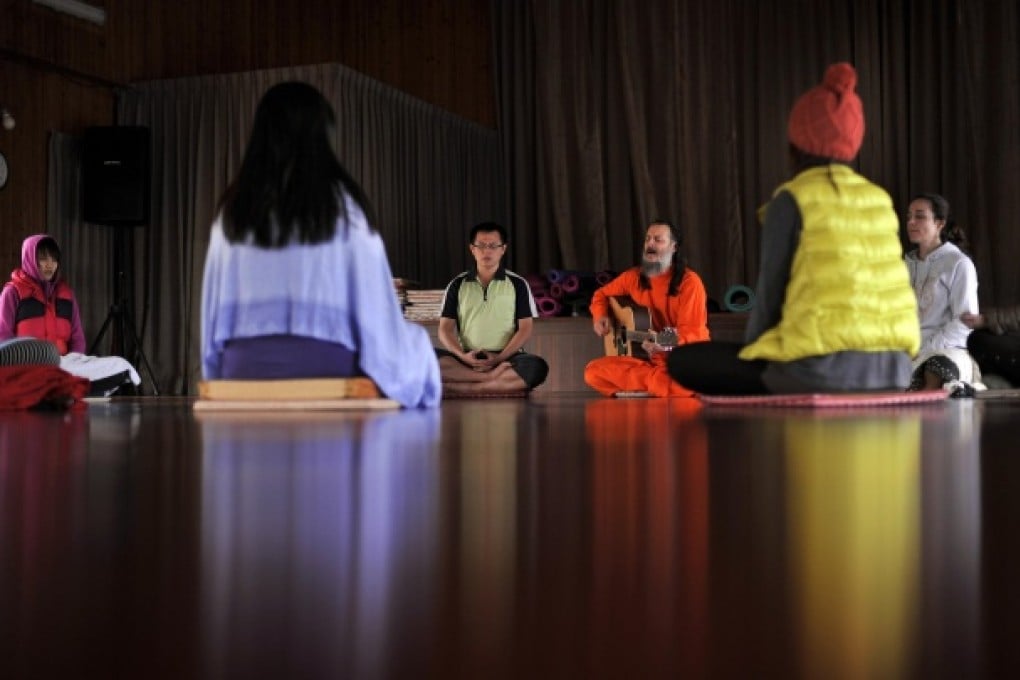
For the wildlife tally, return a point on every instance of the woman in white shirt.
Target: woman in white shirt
(945, 282)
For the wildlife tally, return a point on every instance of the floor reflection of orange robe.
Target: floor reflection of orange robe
(650, 524)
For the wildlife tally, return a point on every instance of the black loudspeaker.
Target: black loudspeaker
(115, 175)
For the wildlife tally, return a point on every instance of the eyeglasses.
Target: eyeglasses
(488, 246)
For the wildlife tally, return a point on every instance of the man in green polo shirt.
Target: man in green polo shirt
(487, 317)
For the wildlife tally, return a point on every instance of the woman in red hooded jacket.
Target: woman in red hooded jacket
(37, 303)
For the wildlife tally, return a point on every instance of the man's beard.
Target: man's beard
(655, 268)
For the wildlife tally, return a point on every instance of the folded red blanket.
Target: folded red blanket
(28, 386)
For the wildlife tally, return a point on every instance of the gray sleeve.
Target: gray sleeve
(779, 240)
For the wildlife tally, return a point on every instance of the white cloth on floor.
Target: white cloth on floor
(97, 368)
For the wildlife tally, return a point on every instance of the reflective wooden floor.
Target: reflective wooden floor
(560, 536)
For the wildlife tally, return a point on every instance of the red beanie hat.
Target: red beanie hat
(828, 119)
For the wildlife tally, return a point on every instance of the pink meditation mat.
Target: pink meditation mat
(843, 400)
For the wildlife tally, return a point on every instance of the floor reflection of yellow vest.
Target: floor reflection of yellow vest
(854, 515)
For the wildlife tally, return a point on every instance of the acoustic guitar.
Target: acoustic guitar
(625, 338)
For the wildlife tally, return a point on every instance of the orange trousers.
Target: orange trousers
(609, 375)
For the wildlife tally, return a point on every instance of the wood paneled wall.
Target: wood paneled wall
(40, 101)
(58, 72)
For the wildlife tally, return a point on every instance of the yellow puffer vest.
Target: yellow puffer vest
(849, 288)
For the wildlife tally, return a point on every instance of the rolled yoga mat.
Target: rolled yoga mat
(538, 283)
(558, 275)
(548, 306)
(581, 282)
(738, 299)
(571, 284)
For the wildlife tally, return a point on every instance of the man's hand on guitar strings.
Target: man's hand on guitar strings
(602, 326)
(651, 347)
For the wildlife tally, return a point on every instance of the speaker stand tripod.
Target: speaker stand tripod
(119, 317)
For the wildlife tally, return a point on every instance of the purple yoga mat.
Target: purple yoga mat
(548, 306)
(558, 275)
(571, 284)
(537, 282)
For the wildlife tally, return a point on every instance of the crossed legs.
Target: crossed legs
(460, 379)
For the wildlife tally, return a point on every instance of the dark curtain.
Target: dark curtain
(87, 250)
(613, 113)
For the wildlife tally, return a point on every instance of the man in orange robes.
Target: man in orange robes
(674, 297)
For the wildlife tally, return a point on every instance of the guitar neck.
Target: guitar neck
(640, 336)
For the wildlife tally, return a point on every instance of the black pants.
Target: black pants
(998, 354)
(714, 368)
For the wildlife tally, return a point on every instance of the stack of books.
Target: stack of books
(401, 286)
(424, 305)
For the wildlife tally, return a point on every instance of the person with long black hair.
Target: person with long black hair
(297, 283)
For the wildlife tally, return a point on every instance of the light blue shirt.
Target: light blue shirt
(338, 291)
